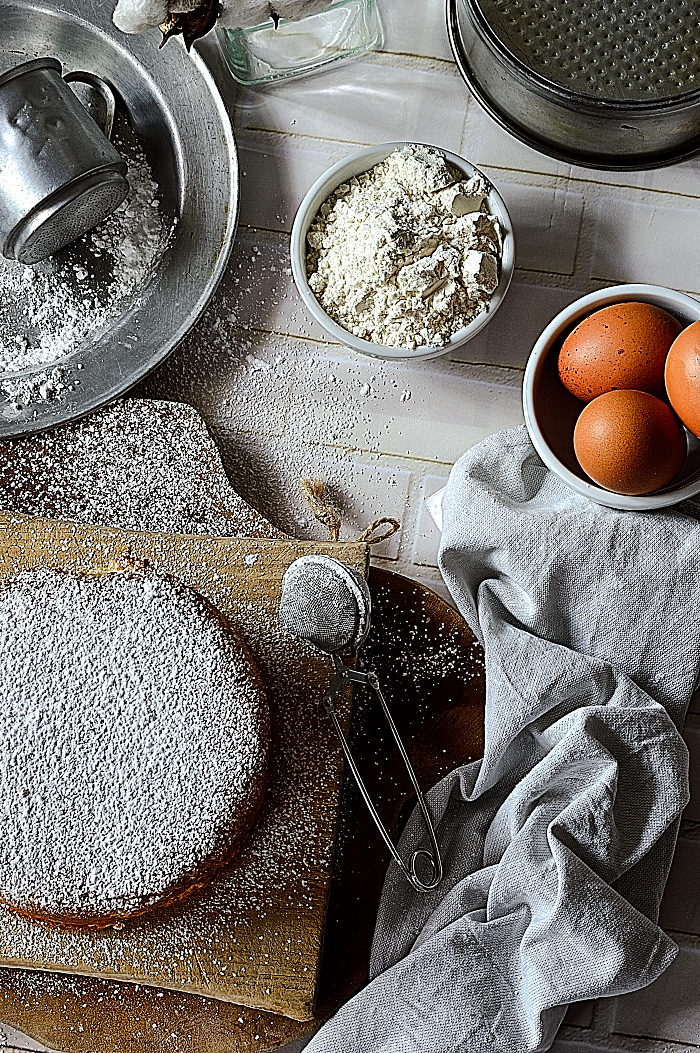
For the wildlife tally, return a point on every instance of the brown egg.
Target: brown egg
(621, 346)
(629, 442)
(683, 377)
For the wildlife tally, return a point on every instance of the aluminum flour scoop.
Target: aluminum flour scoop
(329, 605)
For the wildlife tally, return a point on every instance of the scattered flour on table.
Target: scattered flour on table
(407, 253)
(283, 403)
(50, 310)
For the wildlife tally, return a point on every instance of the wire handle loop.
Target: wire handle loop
(437, 876)
(343, 676)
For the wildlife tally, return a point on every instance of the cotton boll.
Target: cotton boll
(242, 14)
(136, 16)
(293, 9)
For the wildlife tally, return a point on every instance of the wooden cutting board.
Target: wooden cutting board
(438, 707)
(254, 937)
(102, 470)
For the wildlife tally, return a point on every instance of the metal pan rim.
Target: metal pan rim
(602, 162)
(577, 99)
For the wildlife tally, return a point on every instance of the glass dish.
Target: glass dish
(269, 52)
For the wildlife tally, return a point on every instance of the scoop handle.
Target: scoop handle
(104, 91)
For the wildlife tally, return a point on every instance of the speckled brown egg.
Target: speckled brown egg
(621, 346)
(629, 442)
(683, 377)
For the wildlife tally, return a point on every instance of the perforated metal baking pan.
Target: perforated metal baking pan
(609, 85)
(175, 111)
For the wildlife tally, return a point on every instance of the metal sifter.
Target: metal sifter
(61, 175)
(329, 605)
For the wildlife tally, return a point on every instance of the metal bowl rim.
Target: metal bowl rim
(577, 99)
(601, 162)
(44, 416)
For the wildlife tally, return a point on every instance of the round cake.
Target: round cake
(134, 737)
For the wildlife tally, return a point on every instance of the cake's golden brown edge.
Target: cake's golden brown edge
(245, 820)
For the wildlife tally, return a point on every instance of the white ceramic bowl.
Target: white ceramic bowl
(551, 411)
(354, 165)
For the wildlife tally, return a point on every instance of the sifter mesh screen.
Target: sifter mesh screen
(325, 603)
(76, 216)
(618, 50)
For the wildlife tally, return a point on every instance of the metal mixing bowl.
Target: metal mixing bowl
(169, 103)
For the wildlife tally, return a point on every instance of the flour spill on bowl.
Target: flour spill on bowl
(406, 254)
(55, 308)
(36, 387)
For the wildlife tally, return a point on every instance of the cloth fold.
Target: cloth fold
(557, 844)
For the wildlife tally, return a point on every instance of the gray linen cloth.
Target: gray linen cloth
(558, 843)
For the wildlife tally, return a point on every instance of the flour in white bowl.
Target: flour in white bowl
(407, 253)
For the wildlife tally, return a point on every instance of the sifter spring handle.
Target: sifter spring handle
(344, 675)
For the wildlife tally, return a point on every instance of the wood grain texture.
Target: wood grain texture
(429, 666)
(255, 936)
(438, 706)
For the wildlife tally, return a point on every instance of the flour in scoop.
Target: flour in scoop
(407, 253)
(55, 308)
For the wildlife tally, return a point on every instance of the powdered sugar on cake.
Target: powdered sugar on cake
(132, 727)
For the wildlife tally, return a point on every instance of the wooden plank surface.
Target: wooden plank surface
(101, 471)
(255, 936)
(438, 706)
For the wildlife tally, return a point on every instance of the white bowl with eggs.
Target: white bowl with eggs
(356, 164)
(551, 411)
